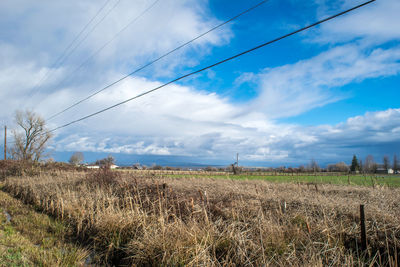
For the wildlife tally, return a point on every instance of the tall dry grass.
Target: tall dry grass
(152, 220)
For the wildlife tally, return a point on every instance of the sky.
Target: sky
(324, 94)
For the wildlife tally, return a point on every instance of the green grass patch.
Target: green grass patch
(34, 239)
(367, 180)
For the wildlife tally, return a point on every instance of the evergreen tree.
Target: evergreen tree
(354, 164)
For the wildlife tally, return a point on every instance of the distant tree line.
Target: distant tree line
(357, 166)
(370, 166)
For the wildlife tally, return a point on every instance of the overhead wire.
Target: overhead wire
(94, 27)
(105, 45)
(159, 58)
(215, 64)
(70, 45)
(65, 57)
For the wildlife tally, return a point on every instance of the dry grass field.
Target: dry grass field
(152, 220)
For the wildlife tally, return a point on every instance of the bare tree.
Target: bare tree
(106, 162)
(302, 168)
(370, 165)
(31, 141)
(313, 166)
(235, 169)
(338, 167)
(396, 164)
(386, 162)
(76, 158)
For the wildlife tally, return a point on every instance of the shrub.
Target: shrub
(103, 177)
(18, 168)
(157, 167)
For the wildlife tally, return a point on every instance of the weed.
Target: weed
(132, 218)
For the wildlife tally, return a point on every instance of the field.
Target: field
(391, 180)
(319, 178)
(163, 218)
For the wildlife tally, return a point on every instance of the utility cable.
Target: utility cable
(93, 28)
(157, 59)
(70, 45)
(78, 44)
(104, 46)
(215, 64)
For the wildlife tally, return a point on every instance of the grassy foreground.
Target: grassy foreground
(28, 238)
(132, 219)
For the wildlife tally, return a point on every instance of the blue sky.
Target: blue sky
(324, 94)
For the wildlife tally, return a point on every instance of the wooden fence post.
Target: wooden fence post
(363, 230)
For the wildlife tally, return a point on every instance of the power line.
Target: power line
(70, 45)
(94, 27)
(115, 36)
(157, 59)
(105, 45)
(215, 64)
(84, 29)
(65, 55)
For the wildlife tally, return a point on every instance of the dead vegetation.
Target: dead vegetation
(153, 220)
(25, 168)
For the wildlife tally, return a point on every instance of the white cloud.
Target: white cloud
(375, 23)
(181, 120)
(30, 44)
(34, 35)
(169, 122)
(262, 141)
(293, 89)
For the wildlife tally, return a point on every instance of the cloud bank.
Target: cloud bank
(181, 119)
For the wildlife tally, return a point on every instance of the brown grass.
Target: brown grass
(152, 220)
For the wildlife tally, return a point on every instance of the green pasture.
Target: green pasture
(363, 180)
